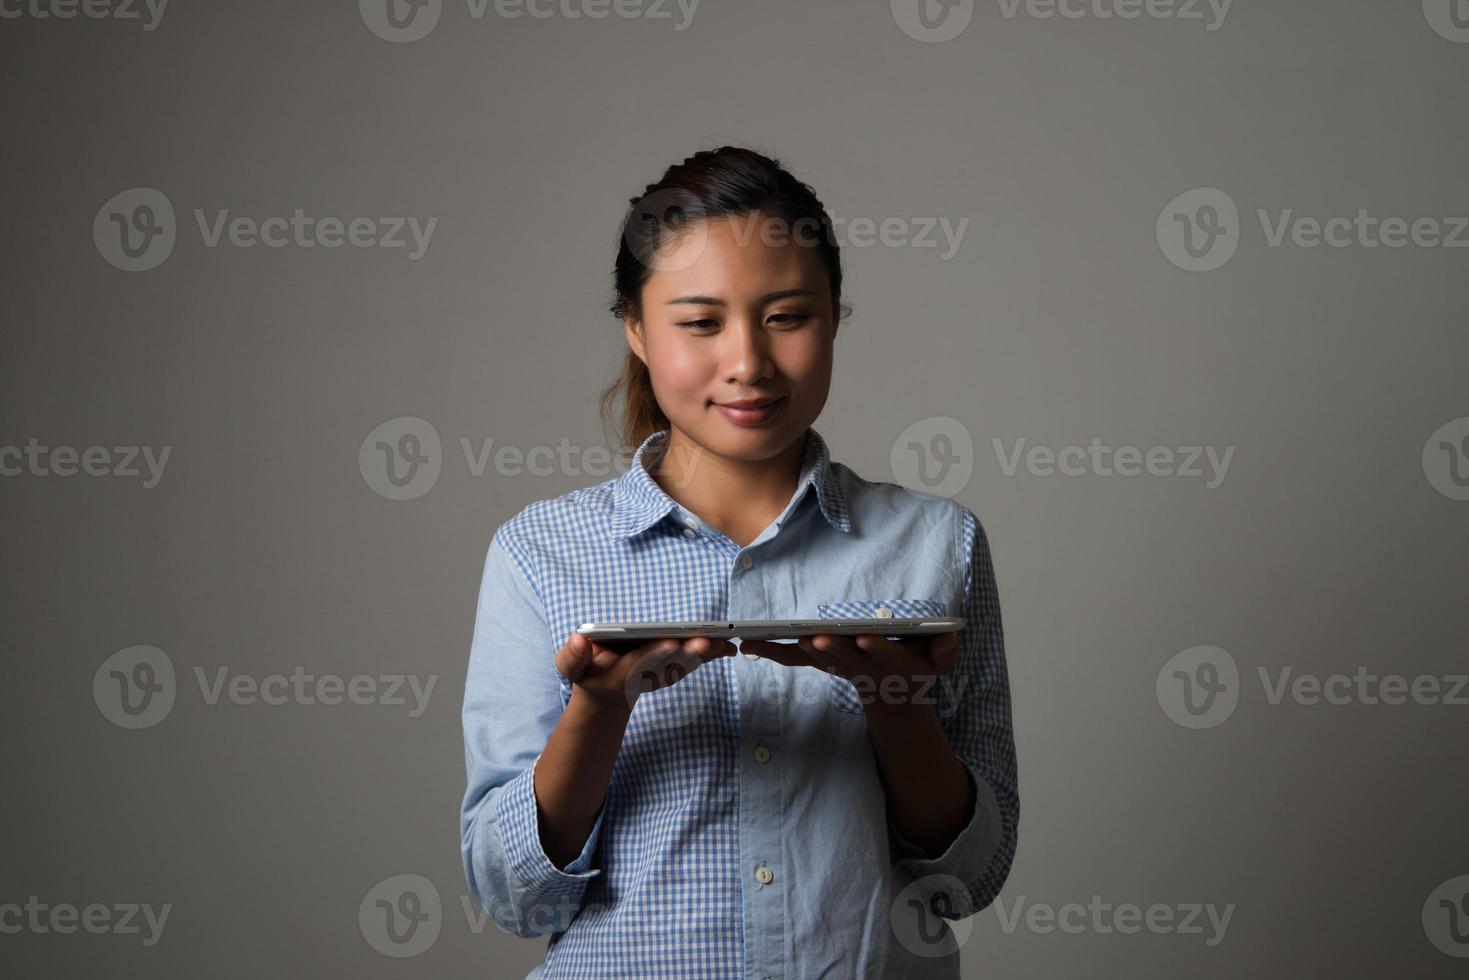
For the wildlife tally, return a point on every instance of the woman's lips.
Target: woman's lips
(752, 416)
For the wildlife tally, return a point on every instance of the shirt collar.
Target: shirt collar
(638, 502)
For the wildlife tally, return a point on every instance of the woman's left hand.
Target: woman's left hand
(885, 672)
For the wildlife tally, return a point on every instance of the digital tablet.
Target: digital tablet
(769, 629)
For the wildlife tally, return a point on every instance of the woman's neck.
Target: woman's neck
(739, 497)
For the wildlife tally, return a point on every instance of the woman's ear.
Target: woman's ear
(633, 328)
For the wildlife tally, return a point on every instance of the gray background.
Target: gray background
(264, 548)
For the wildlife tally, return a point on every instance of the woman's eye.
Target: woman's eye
(700, 324)
(790, 318)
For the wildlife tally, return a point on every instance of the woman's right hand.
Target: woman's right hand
(613, 679)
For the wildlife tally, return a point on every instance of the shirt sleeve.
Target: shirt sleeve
(512, 701)
(974, 710)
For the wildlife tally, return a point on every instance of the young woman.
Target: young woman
(809, 809)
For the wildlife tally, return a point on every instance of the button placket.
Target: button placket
(746, 562)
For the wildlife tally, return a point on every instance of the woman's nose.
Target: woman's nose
(746, 351)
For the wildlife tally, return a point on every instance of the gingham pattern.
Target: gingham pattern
(662, 889)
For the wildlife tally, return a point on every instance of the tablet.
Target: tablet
(769, 629)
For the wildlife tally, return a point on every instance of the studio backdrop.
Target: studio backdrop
(303, 300)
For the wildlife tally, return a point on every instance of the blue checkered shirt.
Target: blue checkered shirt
(744, 832)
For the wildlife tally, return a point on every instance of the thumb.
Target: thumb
(573, 658)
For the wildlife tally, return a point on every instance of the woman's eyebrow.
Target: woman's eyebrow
(767, 298)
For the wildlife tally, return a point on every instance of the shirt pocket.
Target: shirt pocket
(844, 696)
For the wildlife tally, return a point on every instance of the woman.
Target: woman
(809, 809)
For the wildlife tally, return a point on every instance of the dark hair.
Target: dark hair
(729, 181)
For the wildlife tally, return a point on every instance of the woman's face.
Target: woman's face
(738, 309)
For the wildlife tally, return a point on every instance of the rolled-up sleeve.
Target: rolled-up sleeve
(974, 711)
(512, 701)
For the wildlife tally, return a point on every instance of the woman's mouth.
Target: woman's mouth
(752, 411)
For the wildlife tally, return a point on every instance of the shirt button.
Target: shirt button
(688, 532)
(746, 561)
(762, 754)
(764, 875)
(883, 612)
(691, 521)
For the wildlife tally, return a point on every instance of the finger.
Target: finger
(708, 648)
(665, 663)
(661, 644)
(697, 645)
(890, 657)
(843, 651)
(820, 659)
(606, 657)
(573, 658)
(944, 653)
(786, 654)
